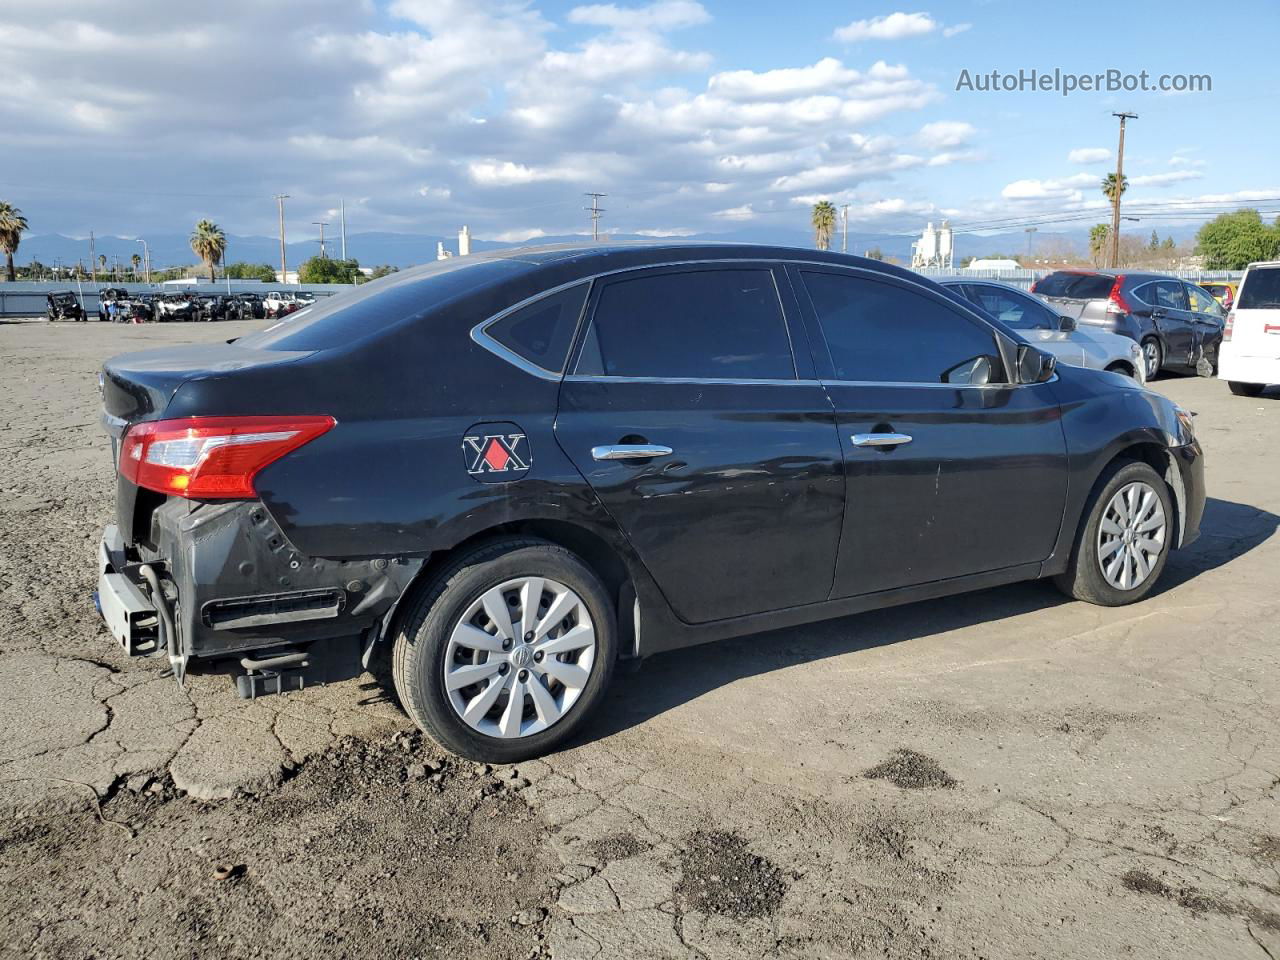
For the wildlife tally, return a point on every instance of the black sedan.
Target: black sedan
(499, 475)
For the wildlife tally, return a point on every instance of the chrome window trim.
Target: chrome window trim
(700, 381)
(482, 338)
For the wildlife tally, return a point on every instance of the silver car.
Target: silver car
(1036, 322)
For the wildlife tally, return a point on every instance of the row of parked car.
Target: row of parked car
(118, 305)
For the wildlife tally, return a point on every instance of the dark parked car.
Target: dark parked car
(1178, 325)
(63, 306)
(500, 474)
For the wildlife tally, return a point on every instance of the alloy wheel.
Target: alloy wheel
(1151, 352)
(1131, 536)
(519, 657)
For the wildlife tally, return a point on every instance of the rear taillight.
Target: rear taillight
(211, 457)
(1116, 303)
(1227, 325)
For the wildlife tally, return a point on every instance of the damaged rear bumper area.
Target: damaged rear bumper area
(222, 582)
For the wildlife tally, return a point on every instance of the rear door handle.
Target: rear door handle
(879, 439)
(630, 451)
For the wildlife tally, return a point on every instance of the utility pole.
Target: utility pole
(1115, 200)
(844, 240)
(1031, 241)
(342, 213)
(595, 210)
(284, 266)
(321, 224)
(93, 261)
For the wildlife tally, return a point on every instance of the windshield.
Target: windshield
(354, 314)
(1076, 286)
(1261, 289)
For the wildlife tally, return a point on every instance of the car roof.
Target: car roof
(593, 258)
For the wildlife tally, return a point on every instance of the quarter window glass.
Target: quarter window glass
(542, 332)
(880, 332)
(1168, 294)
(1018, 312)
(704, 324)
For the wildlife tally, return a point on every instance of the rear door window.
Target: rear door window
(717, 324)
(1202, 302)
(542, 332)
(1169, 294)
(1014, 310)
(1261, 289)
(883, 333)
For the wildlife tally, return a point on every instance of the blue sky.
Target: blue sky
(694, 117)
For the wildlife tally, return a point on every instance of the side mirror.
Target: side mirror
(1035, 366)
(1067, 324)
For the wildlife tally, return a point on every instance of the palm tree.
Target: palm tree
(12, 225)
(824, 223)
(1109, 186)
(1099, 237)
(136, 260)
(209, 243)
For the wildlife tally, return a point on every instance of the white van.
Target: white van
(1250, 356)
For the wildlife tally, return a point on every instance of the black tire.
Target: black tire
(1123, 369)
(418, 655)
(1084, 578)
(1246, 389)
(1154, 364)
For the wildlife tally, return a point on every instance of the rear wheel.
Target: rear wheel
(507, 651)
(1246, 389)
(1124, 541)
(1152, 356)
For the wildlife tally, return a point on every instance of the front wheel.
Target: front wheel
(1246, 389)
(1124, 540)
(507, 651)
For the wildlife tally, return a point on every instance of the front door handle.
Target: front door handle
(630, 451)
(879, 439)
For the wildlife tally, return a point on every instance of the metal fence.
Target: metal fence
(27, 298)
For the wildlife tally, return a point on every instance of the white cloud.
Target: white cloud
(1066, 188)
(664, 15)
(520, 236)
(1164, 179)
(895, 26)
(667, 232)
(1088, 155)
(506, 173)
(744, 212)
(956, 29)
(945, 133)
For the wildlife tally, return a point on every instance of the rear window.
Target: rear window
(1077, 286)
(380, 304)
(542, 332)
(1261, 289)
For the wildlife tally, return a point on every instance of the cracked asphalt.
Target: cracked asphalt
(1004, 774)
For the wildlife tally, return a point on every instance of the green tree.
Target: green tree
(1099, 237)
(250, 271)
(1234, 240)
(875, 253)
(208, 242)
(324, 270)
(12, 226)
(1169, 244)
(1154, 243)
(383, 271)
(824, 223)
(1109, 186)
(136, 260)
